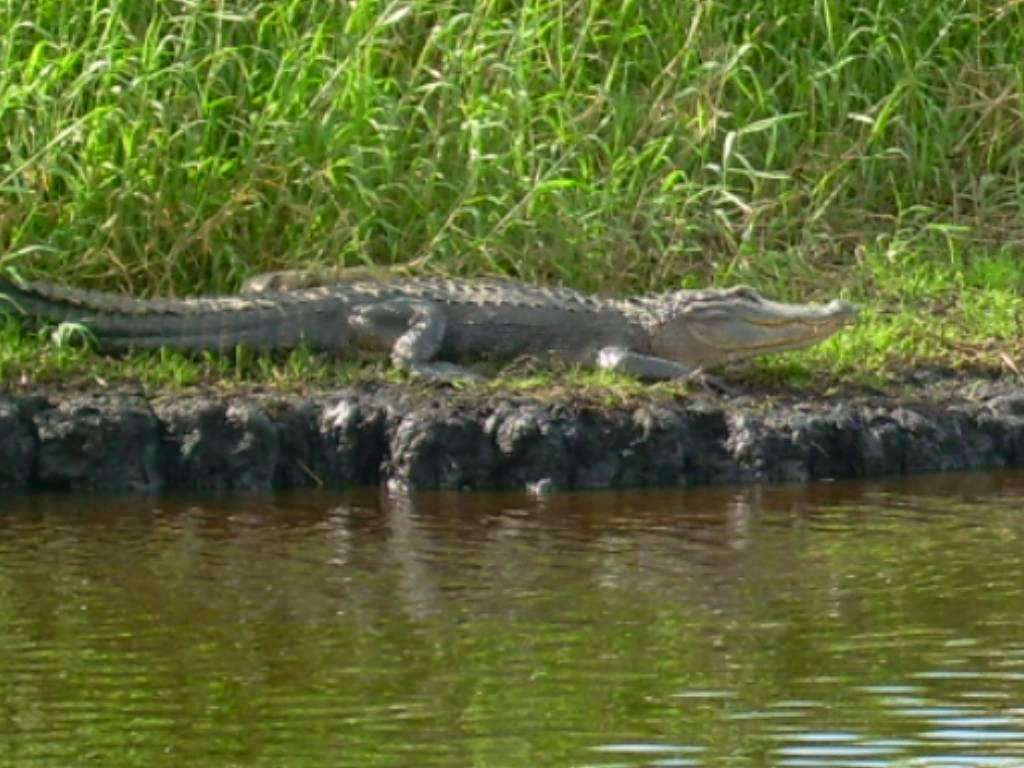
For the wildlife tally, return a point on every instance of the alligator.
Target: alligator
(431, 326)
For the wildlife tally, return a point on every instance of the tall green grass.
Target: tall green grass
(184, 144)
(871, 147)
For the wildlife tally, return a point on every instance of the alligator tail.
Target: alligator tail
(217, 323)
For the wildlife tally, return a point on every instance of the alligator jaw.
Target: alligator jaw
(722, 326)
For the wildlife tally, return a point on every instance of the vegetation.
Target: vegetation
(873, 150)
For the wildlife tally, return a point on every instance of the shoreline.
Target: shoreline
(410, 439)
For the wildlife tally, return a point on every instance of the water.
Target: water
(831, 625)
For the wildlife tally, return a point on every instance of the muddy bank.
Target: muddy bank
(416, 440)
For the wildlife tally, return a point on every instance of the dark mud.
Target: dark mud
(445, 440)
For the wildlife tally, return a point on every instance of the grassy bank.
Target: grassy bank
(873, 150)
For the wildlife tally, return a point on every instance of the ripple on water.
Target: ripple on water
(822, 626)
(651, 754)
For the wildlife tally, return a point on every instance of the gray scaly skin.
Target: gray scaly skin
(430, 325)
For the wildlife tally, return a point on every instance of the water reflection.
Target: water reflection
(837, 624)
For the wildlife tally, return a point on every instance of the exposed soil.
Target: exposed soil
(430, 438)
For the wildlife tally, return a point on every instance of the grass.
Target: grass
(871, 150)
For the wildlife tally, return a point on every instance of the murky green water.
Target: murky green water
(836, 625)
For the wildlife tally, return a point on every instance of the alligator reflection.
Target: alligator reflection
(834, 624)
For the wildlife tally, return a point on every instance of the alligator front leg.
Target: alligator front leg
(644, 367)
(412, 332)
(650, 368)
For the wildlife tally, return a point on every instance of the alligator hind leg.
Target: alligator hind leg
(412, 332)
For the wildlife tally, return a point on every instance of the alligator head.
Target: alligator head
(711, 327)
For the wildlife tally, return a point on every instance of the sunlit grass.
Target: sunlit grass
(871, 150)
